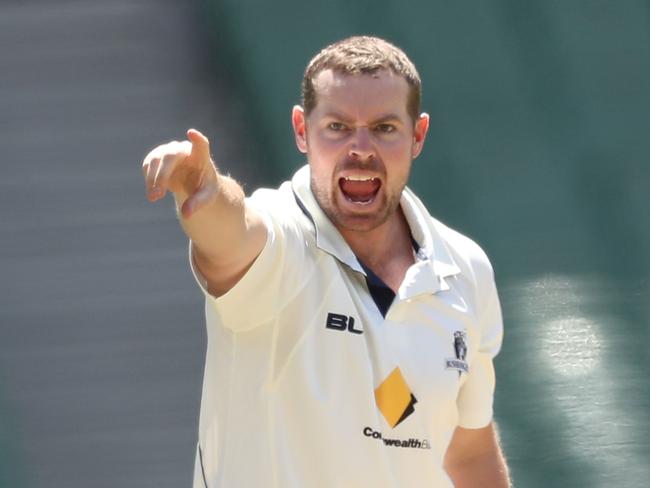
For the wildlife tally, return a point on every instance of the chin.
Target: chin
(359, 223)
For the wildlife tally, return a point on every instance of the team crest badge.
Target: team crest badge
(460, 348)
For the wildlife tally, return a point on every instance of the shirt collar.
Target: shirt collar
(328, 238)
(433, 250)
(425, 232)
(434, 261)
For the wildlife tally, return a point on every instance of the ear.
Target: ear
(419, 134)
(299, 127)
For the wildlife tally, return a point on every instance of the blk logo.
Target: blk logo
(341, 322)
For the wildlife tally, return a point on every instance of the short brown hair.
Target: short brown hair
(362, 55)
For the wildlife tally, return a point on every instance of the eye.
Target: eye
(336, 126)
(385, 128)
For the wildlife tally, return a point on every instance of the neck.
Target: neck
(386, 249)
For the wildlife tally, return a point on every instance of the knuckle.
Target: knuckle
(169, 159)
(148, 165)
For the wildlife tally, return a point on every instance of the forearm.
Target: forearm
(488, 470)
(226, 235)
(219, 227)
(474, 459)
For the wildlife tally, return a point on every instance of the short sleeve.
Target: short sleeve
(476, 397)
(262, 291)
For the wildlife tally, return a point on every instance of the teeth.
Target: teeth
(358, 178)
(359, 202)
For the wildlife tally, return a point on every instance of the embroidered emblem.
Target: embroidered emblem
(460, 347)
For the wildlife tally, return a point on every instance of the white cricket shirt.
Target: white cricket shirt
(308, 385)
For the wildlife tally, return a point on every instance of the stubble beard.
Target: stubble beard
(345, 220)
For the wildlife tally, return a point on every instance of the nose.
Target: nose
(361, 147)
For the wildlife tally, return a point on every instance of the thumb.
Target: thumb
(200, 145)
(198, 200)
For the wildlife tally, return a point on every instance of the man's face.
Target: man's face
(360, 141)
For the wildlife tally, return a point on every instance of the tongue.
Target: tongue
(360, 191)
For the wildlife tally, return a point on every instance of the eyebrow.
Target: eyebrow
(387, 118)
(337, 115)
(381, 120)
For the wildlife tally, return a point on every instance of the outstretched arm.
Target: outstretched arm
(474, 459)
(226, 235)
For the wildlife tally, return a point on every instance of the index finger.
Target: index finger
(200, 145)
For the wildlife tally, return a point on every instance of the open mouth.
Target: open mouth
(358, 189)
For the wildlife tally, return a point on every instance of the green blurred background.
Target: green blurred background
(538, 149)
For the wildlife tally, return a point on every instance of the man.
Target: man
(350, 334)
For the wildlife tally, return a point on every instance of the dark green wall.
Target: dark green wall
(538, 149)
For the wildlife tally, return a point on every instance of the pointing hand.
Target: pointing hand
(184, 168)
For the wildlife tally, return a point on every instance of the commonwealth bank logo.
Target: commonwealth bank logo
(394, 399)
